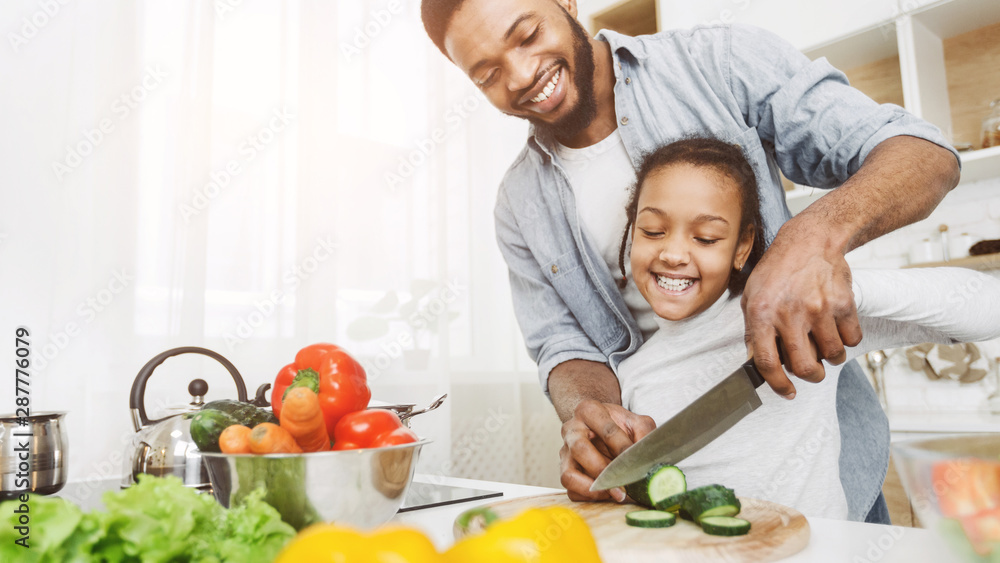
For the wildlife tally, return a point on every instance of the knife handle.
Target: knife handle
(751, 370)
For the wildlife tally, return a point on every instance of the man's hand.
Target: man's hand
(801, 293)
(596, 434)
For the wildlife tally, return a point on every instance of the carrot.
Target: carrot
(269, 438)
(302, 416)
(235, 439)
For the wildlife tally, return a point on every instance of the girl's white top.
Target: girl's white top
(788, 451)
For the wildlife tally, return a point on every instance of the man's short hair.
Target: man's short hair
(436, 15)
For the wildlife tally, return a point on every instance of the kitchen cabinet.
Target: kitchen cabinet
(941, 60)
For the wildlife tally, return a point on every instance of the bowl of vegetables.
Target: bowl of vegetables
(954, 486)
(321, 455)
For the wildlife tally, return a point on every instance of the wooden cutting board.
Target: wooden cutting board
(776, 532)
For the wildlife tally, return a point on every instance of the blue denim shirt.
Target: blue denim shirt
(737, 83)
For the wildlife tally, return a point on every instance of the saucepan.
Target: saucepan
(33, 452)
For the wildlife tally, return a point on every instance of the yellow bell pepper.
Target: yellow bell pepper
(329, 543)
(537, 535)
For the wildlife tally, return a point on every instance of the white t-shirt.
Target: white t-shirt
(601, 176)
(788, 451)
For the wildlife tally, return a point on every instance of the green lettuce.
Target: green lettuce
(159, 520)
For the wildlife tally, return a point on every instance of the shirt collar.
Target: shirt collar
(619, 43)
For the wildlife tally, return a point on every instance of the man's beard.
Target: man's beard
(581, 115)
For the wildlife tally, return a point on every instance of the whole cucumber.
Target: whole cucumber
(207, 425)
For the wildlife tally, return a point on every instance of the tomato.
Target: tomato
(363, 429)
(395, 438)
(966, 486)
(983, 530)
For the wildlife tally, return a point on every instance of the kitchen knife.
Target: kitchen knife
(688, 431)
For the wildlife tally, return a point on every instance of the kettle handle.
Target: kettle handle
(136, 400)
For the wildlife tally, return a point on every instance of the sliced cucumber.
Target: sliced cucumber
(711, 500)
(725, 526)
(660, 483)
(671, 503)
(650, 519)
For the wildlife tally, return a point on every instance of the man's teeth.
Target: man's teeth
(674, 284)
(547, 91)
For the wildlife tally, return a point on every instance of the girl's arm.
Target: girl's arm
(942, 305)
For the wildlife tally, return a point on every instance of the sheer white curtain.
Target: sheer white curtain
(253, 177)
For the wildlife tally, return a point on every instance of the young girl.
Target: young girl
(695, 230)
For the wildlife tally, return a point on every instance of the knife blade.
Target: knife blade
(704, 420)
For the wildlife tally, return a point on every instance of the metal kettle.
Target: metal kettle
(164, 446)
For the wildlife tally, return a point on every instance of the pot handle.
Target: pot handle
(136, 400)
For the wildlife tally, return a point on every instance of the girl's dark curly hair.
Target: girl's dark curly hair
(723, 158)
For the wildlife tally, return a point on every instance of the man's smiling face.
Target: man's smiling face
(530, 58)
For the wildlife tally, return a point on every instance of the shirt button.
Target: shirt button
(555, 269)
(628, 80)
(624, 121)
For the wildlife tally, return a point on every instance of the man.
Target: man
(596, 105)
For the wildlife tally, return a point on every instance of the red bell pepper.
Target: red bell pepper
(333, 374)
(372, 428)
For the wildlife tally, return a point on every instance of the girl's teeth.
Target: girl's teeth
(674, 284)
(547, 91)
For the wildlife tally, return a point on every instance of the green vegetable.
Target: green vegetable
(206, 427)
(157, 520)
(725, 526)
(304, 378)
(660, 483)
(246, 414)
(710, 500)
(281, 482)
(650, 519)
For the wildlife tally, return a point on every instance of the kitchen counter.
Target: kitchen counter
(832, 541)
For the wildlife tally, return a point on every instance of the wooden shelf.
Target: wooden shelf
(631, 17)
(981, 263)
(980, 165)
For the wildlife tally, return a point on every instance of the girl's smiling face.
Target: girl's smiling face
(686, 240)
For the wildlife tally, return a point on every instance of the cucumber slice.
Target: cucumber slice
(711, 500)
(650, 519)
(725, 526)
(661, 482)
(671, 503)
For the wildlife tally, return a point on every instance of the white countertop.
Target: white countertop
(832, 541)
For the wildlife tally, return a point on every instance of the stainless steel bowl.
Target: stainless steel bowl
(363, 488)
(32, 456)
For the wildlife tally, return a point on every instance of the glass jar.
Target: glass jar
(991, 126)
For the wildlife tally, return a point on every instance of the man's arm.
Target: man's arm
(802, 286)
(596, 428)
(889, 167)
(572, 370)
